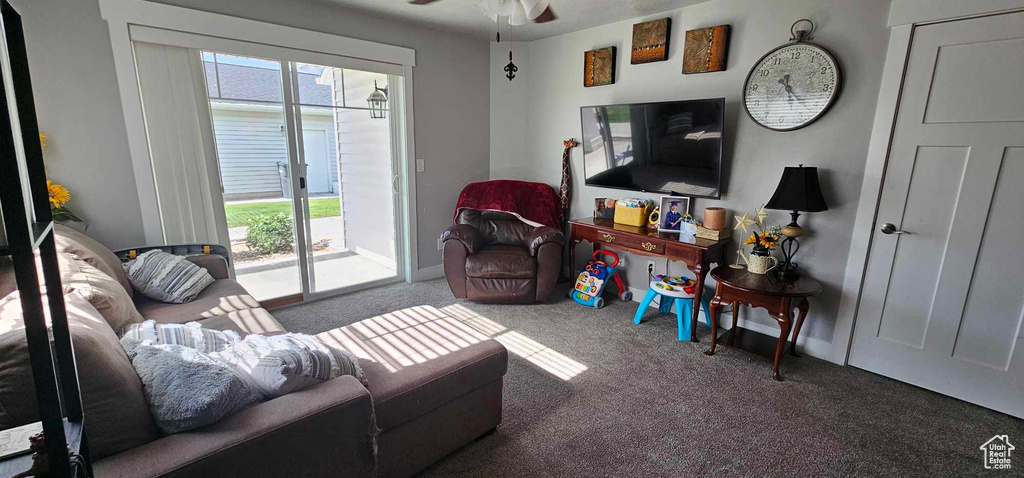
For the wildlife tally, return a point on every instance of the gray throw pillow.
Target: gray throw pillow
(167, 277)
(186, 389)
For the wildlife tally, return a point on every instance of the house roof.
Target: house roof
(237, 82)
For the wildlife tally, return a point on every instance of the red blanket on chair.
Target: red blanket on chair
(535, 203)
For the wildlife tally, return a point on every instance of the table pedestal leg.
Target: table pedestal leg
(735, 322)
(713, 315)
(784, 323)
(803, 306)
(701, 271)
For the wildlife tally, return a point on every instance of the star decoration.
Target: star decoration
(743, 221)
(761, 214)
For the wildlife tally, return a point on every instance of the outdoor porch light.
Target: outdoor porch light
(378, 102)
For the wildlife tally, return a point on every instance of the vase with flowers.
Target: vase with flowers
(59, 198)
(763, 237)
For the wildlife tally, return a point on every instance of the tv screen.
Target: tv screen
(672, 147)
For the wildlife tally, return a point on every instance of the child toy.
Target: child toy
(595, 276)
(672, 290)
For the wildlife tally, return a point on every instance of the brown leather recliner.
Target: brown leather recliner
(495, 257)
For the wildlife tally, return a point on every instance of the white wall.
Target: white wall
(79, 106)
(79, 109)
(532, 115)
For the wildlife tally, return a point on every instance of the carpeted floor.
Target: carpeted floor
(647, 405)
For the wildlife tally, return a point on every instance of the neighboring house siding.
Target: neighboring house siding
(365, 145)
(250, 144)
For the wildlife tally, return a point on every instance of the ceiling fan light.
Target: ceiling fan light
(535, 7)
(518, 15)
(501, 7)
(482, 5)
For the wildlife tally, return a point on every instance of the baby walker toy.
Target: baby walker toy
(595, 276)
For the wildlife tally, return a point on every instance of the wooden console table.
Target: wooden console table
(775, 294)
(697, 253)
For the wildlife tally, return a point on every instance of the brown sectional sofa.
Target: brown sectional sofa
(434, 384)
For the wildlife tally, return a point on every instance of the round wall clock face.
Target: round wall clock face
(791, 86)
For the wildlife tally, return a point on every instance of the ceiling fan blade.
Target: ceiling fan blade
(534, 8)
(421, 2)
(518, 16)
(547, 15)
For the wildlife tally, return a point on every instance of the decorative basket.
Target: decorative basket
(705, 233)
(632, 216)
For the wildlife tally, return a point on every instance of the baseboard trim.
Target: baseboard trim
(428, 273)
(812, 346)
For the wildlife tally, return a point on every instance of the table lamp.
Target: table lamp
(798, 192)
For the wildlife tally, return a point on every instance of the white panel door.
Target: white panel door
(317, 155)
(943, 297)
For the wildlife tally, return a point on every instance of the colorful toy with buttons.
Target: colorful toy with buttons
(592, 280)
(675, 283)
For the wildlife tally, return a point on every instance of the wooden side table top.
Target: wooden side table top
(767, 284)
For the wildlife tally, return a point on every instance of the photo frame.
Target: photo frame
(604, 208)
(672, 221)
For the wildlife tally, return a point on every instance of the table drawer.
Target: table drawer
(632, 242)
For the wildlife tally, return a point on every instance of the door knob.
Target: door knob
(890, 228)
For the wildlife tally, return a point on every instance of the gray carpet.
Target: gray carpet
(648, 405)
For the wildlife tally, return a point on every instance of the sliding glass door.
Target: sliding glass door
(349, 200)
(307, 170)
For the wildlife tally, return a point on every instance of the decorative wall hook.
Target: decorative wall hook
(510, 68)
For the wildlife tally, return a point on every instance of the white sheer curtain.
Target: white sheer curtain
(181, 144)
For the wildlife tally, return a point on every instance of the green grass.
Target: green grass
(239, 214)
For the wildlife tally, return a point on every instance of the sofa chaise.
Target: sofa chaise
(434, 384)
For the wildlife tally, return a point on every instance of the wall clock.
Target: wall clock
(793, 85)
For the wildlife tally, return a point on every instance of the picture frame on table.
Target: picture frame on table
(604, 208)
(672, 219)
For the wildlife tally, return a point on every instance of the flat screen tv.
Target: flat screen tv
(672, 147)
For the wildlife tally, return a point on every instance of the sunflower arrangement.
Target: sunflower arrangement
(763, 237)
(59, 198)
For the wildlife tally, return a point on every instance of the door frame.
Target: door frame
(270, 40)
(904, 17)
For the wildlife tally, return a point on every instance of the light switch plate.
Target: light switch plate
(420, 165)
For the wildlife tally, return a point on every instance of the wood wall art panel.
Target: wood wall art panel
(599, 67)
(650, 41)
(706, 50)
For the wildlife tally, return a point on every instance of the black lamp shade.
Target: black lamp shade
(798, 191)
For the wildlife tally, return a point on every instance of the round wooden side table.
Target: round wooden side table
(771, 292)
